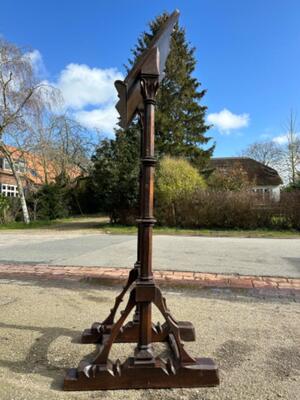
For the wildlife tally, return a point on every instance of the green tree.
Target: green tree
(51, 202)
(115, 174)
(180, 127)
(180, 118)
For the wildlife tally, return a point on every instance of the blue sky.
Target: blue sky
(248, 57)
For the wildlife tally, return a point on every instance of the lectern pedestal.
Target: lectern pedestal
(144, 369)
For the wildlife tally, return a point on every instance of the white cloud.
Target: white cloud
(82, 86)
(34, 56)
(283, 139)
(90, 95)
(37, 62)
(104, 118)
(225, 120)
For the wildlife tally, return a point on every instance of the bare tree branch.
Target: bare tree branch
(21, 101)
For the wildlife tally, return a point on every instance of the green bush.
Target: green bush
(176, 179)
(81, 197)
(4, 208)
(51, 202)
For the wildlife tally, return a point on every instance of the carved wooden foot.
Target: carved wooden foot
(163, 374)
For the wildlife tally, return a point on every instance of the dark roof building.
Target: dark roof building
(258, 173)
(265, 180)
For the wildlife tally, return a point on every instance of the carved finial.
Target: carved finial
(149, 87)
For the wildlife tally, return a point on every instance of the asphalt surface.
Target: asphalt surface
(246, 256)
(255, 342)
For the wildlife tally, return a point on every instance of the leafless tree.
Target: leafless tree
(266, 152)
(63, 146)
(283, 156)
(22, 98)
(292, 148)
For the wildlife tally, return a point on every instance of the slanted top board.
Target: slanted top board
(152, 61)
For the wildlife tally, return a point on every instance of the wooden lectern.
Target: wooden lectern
(143, 370)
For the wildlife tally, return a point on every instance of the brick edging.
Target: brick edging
(182, 278)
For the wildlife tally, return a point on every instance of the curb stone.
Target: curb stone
(265, 284)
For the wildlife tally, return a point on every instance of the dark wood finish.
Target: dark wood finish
(144, 369)
(130, 332)
(129, 90)
(165, 374)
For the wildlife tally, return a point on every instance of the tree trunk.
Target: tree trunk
(22, 199)
(174, 213)
(20, 190)
(35, 204)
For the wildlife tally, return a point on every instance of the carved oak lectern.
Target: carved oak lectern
(144, 370)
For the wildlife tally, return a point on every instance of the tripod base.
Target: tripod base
(163, 374)
(130, 333)
(143, 371)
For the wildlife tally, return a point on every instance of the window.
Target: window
(258, 190)
(6, 164)
(20, 165)
(33, 172)
(9, 190)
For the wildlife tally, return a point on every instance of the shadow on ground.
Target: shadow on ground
(36, 360)
(80, 224)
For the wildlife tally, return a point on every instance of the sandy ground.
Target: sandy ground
(256, 342)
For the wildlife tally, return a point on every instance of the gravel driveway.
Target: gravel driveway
(255, 342)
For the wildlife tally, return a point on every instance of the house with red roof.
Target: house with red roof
(32, 170)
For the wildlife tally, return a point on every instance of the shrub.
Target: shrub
(229, 179)
(4, 208)
(176, 179)
(81, 197)
(51, 202)
(217, 209)
(290, 208)
(231, 210)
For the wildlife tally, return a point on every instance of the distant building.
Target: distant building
(266, 180)
(31, 171)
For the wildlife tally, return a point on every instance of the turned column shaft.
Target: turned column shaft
(137, 265)
(139, 239)
(149, 85)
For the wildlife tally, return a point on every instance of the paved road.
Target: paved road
(277, 257)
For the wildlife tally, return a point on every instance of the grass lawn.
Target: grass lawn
(32, 225)
(100, 223)
(161, 230)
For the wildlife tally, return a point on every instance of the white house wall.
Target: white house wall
(273, 190)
